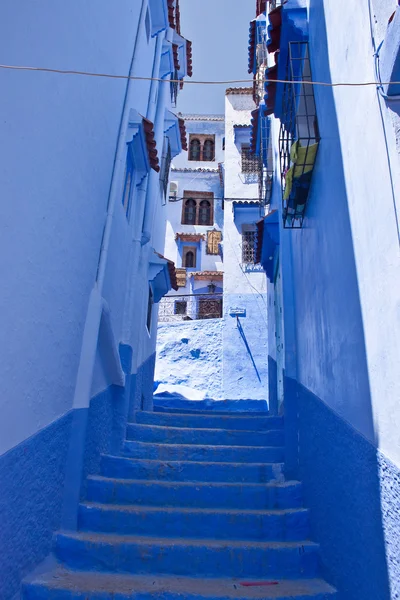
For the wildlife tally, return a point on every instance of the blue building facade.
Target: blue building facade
(84, 175)
(330, 248)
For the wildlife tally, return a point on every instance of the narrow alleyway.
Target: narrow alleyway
(197, 507)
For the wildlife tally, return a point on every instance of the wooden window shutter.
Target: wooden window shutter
(213, 239)
(181, 277)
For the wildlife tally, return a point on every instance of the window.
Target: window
(150, 305)
(250, 162)
(202, 147)
(249, 247)
(180, 307)
(189, 257)
(165, 166)
(213, 240)
(147, 24)
(128, 184)
(190, 209)
(198, 208)
(194, 152)
(208, 150)
(204, 212)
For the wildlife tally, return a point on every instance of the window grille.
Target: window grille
(180, 307)
(208, 150)
(150, 304)
(213, 240)
(194, 151)
(165, 167)
(189, 257)
(128, 184)
(299, 135)
(205, 213)
(174, 88)
(198, 210)
(189, 213)
(249, 247)
(250, 162)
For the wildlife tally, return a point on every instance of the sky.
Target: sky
(219, 31)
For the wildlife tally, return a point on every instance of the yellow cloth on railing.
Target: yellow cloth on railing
(303, 158)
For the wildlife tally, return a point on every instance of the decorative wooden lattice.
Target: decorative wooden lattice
(181, 277)
(213, 240)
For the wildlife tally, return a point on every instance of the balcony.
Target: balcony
(299, 135)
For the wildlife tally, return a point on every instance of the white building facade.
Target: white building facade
(195, 222)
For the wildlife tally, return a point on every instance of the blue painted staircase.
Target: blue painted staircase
(196, 507)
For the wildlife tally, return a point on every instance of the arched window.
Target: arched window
(190, 212)
(194, 152)
(205, 213)
(189, 259)
(208, 150)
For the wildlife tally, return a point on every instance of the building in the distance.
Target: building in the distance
(195, 222)
(212, 215)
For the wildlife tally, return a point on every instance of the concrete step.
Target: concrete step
(176, 556)
(198, 453)
(210, 421)
(218, 523)
(214, 437)
(190, 471)
(62, 584)
(195, 494)
(221, 407)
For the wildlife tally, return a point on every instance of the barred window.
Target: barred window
(208, 150)
(250, 162)
(194, 152)
(205, 213)
(249, 239)
(180, 307)
(189, 257)
(189, 216)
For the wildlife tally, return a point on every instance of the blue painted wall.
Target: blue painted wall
(62, 172)
(341, 293)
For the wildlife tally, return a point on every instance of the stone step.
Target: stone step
(62, 584)
(198, 453)
(221, 407)
(210, 421)
(189, 471)
(195, 494)
(176, 556)
(222, 523)
(213, 437)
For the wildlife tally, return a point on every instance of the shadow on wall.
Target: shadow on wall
(340, 469)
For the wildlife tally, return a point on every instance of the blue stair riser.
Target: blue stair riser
(186, 558)
(207, 406)
(264, 526)
(214, 437)
(43, 592)
(210, 421)
(202, 495)
(79, 585)
(180, 452)
(125, 468)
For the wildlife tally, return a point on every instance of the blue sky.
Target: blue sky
(219, 30)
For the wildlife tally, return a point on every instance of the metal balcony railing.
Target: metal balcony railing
(299, 135)
(190, 307)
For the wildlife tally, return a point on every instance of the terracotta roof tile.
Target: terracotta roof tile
(239, 90)
(260, 235)
(182, 129)
(205, 275)
(255, 117)
(261, 6)
(274, 29)
(151, 145)
(190, 237)
(271, 86)
(171, 271)
(189, 58)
